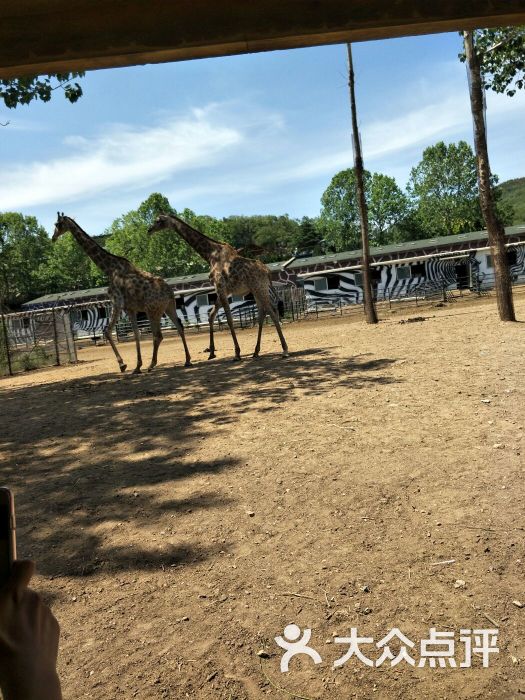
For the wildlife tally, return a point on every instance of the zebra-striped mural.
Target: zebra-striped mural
(392, 280)
(192, 309)
(90, 321)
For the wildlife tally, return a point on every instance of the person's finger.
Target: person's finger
(21, 574)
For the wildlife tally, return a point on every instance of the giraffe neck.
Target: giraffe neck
(204, 246)
(102, 259)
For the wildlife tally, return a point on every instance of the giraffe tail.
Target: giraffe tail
(277, 302)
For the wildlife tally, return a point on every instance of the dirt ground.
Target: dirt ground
(181, 519)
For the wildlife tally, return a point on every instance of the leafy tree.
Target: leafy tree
(24, 248)
(164, 253)
(276, 235)
(339, 218)
(387, 206)
(268, 236)
(309, 237)
(68, 268)
(501, 52)
(444, 188)
(22, 91)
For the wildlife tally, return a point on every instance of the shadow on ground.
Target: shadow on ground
(85, 456)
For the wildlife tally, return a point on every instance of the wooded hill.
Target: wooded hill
(513, 192)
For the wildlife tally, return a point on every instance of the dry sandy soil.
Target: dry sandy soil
(181, 519)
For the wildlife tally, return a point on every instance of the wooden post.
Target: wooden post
(55, 336)
(495, 229)
(6, 342)
(369, 307)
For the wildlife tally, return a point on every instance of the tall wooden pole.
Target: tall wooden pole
(370, 310)
(495, 229)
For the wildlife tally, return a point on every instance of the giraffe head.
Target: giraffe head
(161, 222)
(61, 226)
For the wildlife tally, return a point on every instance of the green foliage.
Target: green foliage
(68, 268)
(512, 193)
(502, 57)
(22, 91)
(444, 189)
(309, 237)
(164, 253)
(387, 206)
(24, 248)
(275, 237)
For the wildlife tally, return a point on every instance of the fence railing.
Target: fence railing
(34, 339)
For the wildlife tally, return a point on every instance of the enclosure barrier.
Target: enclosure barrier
(34, 339)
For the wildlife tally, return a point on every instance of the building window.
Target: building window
(333, 282)
(84, 315)
(418, 270)
(26, 322)
(237, 297)
(489, 261)
(202, 300)
(404, 273)
(512, 256)
(102, 312)
(320, 284)
(358, 279)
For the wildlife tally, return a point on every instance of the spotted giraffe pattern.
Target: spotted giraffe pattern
(230, 273)
(130, 290)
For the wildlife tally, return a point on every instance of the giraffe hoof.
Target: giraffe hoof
(285, 354)
(212, 356)
(237, 358)
(255, 355)
(149, 369)
(188, 364)
(123, 368)
(136, 371)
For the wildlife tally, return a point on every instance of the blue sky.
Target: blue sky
(255, 134)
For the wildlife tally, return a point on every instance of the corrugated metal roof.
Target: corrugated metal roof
(405, 247)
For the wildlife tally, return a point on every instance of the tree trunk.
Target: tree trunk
(370, 310)
(495, 229)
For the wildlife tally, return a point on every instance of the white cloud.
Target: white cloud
(445, 117)
(122, 157)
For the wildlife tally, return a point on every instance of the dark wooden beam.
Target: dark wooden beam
(48, 36)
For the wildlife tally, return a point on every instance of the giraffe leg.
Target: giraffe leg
(136, 333)
(107, 333)
(211, 318)
(261, 315)
(157, 340)
(229, 318)
(172, 313)
(274, 314)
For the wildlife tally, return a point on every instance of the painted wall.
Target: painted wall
(403, 279)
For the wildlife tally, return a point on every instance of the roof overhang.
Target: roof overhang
(49, 36)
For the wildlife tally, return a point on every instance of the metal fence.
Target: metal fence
(34, 339)
(292, 307)
(441, 291)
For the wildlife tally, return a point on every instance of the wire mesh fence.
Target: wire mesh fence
(34, 339)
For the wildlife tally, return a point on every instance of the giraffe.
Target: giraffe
(131, 290)
(230, 273)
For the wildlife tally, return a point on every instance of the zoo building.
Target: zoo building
(423, 268)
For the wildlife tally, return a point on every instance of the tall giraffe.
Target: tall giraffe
(230, 273)
(131, 290)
